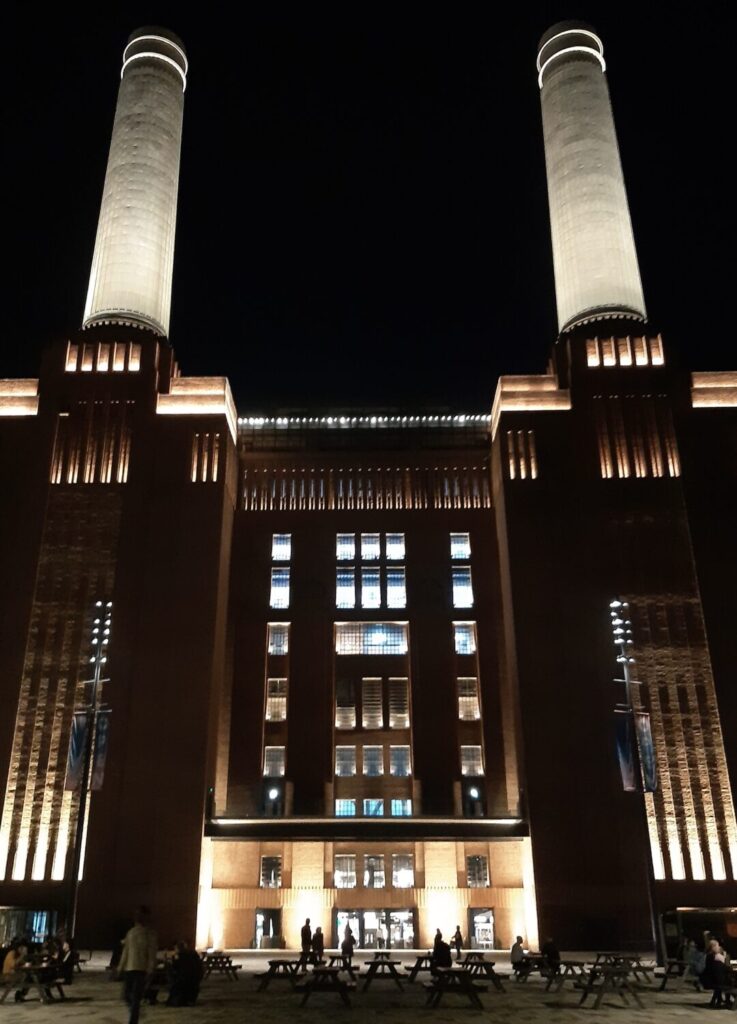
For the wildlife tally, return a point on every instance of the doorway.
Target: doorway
(377, 929)
(268, 929)
(480, 928)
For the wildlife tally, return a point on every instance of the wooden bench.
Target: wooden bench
(325, 979)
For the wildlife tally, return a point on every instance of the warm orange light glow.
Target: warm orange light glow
(714, 390)
(19, 397)
(199, 396)
(529, 393)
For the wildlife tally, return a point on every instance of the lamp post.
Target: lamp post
(636, 723)
(99, 642)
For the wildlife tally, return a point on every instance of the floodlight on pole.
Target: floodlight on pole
(634, 745)
(91, 710)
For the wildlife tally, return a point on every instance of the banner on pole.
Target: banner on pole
(647, 751)
(102, 733)
(75, 757)
(625, 749)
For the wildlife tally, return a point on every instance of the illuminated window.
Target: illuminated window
(345, 547)
(372, 709)
(103, 358)
(373, 761)
(373, 808)
(465, 637)
(370, 546)
(345, 863)
(276, 700)
(281, 547)
(278, 637)
(396, 589)
(345, 705)
(373, 871)
(468, 699)
(345, 761)
(460, 545)
(271, 872)
(371, 637)
(399, 762)
(403, 872)
(345, 588)
(401, 808)
(345, 808)
(398, 703)
(471, 761)
(370, 588)
(462, 589)
(273, 761)
(395, 547)
(134, 357)
(279, 597)
(477, 872)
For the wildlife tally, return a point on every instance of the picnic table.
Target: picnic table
(325, 979)
(278, 969)
(457, 980)
(307, 957)
(530, 963)
(42, 976)
(221, 963)
(476, 963)
(603, 978)
(343, 963)
(569, 970)
(632, 960)
(382, 967)
(424, 962)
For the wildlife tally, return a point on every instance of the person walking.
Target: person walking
(458, 941)
(138, 961)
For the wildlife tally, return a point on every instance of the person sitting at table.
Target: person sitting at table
(441, 954)
(318, 943)
(185, 976)
(65, 961)
(552, 956)
(517, 957)
(695, 963)
(12, 968)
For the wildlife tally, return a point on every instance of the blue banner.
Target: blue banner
(102, 733)
(625, 749)
(77, 745)
(647, 751)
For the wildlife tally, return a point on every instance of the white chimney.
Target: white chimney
(594, 255)
(131, 275)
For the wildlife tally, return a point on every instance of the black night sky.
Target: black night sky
(363, 211)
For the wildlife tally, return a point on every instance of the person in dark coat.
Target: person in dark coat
(185, 976)
(318, 943)
(306, 936)
(552, 956)
(458, 941)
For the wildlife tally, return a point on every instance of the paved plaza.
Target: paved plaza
(94, 997)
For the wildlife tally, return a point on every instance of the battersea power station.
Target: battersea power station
(396, 671)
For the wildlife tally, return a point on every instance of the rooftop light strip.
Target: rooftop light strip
(372, 421)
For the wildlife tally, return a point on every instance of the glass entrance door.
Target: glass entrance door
(481, 928)
(352, 919)
(401, 929)
(268, 929)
